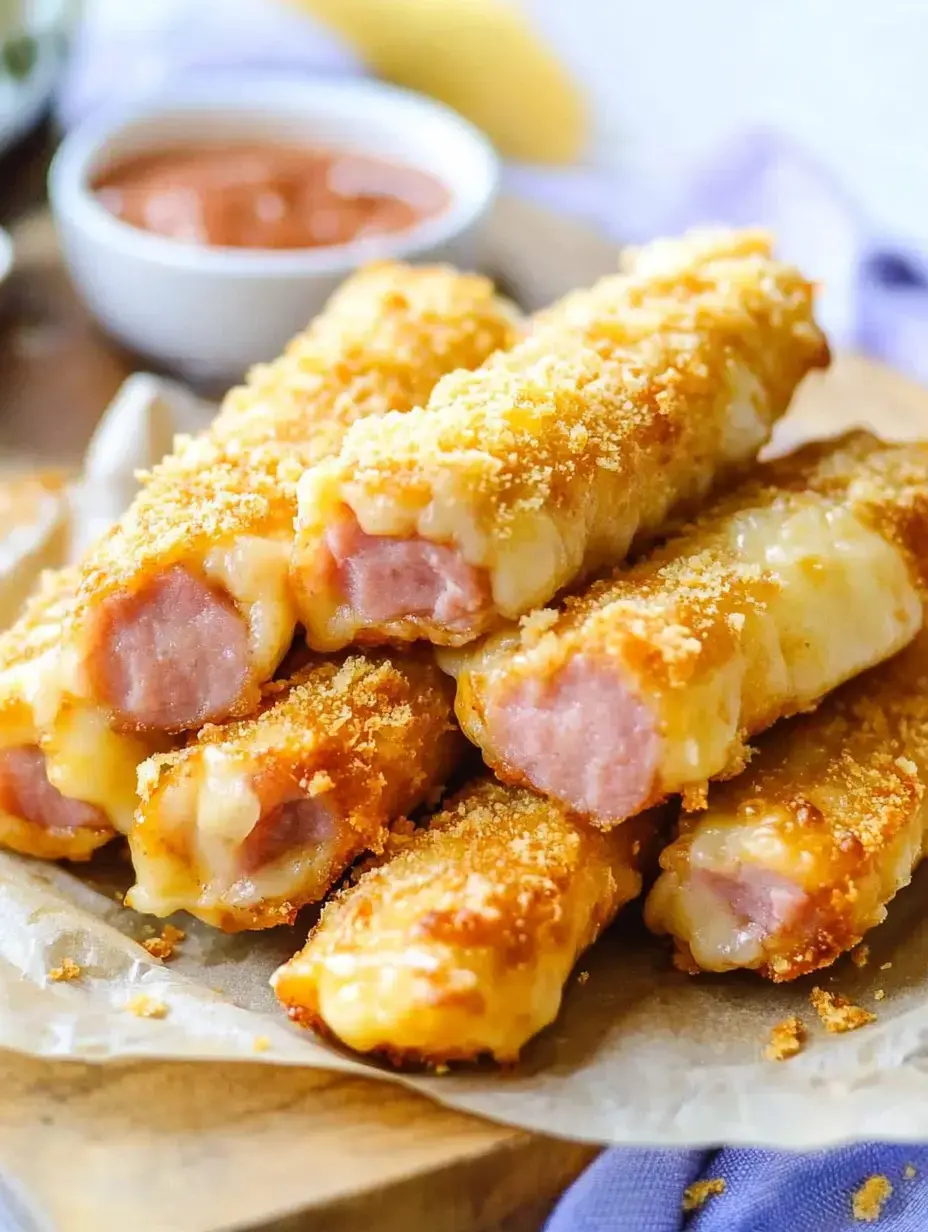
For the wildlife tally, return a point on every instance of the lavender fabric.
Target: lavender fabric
(631, 1190)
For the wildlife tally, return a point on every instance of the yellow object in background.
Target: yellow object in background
(481, 57)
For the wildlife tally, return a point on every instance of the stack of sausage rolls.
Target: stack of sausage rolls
(431, 520)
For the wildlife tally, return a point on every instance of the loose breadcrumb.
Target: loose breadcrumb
(143, 1006)
(885, 966)
(697, 1194)
(861, 956)
(163, 947)
(69, 970)
(786, 1039)
(909, 1172)
(879, 994)
(583, 977)
(868, 1201)
(837, 1013)
(260, 1043)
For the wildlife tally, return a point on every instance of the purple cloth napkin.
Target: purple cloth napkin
(631, 1190)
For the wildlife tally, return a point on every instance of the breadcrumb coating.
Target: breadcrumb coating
(364, 739)
(868, 1201)
(381, 343)
(69, 970)
(623, 401)
(695, 1196)
(461, 943)
(738, 620)
(833, 809)
(786, 1039)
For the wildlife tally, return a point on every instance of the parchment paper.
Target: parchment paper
(640, 1054)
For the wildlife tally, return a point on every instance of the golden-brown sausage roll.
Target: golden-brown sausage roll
(622, 402)
(650, 682)
(793, 861)
(67, 783)
(462, 942)
(184, 609)
(257, 817)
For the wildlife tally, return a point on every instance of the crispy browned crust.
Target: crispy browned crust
(615, 407)
(40, 624)
(374, 734)
(382, 342)
(488, 907)
(677, 616)
(631, 369)
(845, 787)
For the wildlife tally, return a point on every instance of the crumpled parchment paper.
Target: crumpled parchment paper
(640, 1054)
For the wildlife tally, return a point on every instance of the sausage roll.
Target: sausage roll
(67, 783)
(462, 942)
(184, 609)
(622, 402)
(650, 682)
(257, 817)
(793, 861)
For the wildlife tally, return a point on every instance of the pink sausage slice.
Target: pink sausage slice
(26, 792)
(760, 899)
(302, 825)
(581, 736)
(385, 579)
(171, 655)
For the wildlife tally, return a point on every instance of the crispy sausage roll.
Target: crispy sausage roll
(543, 465)
(258, 817)
(184, 608)
(793, 861)
(462, 942)
(67, 783)
(650, 682)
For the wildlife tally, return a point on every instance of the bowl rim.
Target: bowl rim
(70, 197)
(6, 254)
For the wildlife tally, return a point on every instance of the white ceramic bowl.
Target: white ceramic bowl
(209, 313)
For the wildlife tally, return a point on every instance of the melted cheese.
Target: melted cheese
(255, 574)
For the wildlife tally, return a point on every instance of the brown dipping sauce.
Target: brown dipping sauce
(268, 196)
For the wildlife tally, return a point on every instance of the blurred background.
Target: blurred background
(628, 118)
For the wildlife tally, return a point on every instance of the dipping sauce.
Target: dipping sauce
(268, 196)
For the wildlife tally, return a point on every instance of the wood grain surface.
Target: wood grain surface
(199, 1148)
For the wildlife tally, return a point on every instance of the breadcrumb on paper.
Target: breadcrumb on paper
(837, 1013)
(696, 1195)
(260, 1043)
(164, 946)
(909, 1172)
(868, 1201)
(69, 970)
(786, 1039)
(143, 1006)
(879, 994)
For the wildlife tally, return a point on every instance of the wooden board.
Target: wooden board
(199, 1148)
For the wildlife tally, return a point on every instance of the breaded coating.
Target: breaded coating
(796, 859)
(623, 401)
(462, 943)
(211, 528)
(256, 818)
(650, 682)
(67, 783)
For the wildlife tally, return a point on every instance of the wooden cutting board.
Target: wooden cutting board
(199, 1148)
